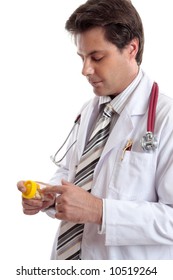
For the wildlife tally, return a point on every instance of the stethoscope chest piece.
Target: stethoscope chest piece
(149, 142)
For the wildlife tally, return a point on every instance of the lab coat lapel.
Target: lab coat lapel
(120, 132)
(137, 106)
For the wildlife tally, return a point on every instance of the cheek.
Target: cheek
(104, 72)
(111, 78)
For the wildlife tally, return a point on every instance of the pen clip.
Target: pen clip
(127, 147)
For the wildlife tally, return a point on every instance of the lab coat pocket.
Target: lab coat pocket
(133, 177)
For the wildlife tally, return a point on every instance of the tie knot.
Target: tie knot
(108, 110)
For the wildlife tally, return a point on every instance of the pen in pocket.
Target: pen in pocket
(127, 147)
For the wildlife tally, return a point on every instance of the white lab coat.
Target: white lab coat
(137, 191)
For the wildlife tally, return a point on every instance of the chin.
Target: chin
(100, 92)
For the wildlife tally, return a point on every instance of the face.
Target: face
(107, 69)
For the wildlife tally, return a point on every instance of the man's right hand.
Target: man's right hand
(33, 206)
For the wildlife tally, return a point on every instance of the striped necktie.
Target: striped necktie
(70, 236)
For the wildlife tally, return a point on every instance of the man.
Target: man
(121, 207)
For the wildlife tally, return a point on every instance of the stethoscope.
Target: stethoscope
(53, 158)
(148, 142)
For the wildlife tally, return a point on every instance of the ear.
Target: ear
(133, 48)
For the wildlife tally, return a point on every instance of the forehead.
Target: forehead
(92, 40)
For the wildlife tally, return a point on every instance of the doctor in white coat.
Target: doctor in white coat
(129, 212)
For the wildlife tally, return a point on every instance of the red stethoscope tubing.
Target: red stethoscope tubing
(152, 108)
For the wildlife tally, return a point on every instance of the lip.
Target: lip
(95, 83)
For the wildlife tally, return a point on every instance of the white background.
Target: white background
(41, 92)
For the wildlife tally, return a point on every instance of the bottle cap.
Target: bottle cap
(31, 189)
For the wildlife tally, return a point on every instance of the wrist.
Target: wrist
(97, 211)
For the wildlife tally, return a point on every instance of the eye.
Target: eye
(97, 59)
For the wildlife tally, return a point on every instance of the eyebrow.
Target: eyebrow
(91, 53)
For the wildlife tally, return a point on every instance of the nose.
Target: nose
(87, 69)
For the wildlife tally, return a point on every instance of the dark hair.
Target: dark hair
(119, 18)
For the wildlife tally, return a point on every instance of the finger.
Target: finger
(47, 204)
(53, 189)
(59, 216)
(31, 203)
(48, 197)
(31, 208)
(30, 212)
(21, 187)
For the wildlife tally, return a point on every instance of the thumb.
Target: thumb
(21, 187)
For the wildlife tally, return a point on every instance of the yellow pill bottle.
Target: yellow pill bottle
(32, 190)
